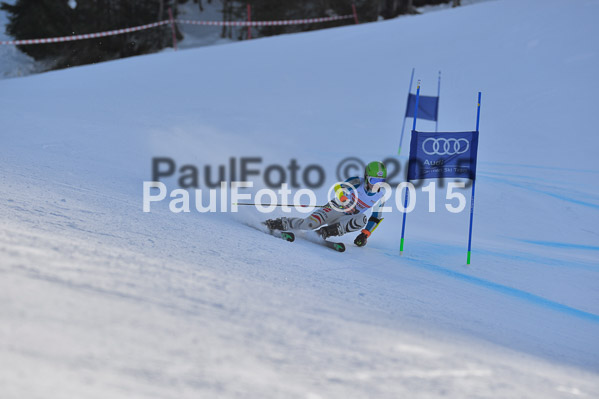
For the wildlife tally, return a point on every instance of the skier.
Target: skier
(333, 220)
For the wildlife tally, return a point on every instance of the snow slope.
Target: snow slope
(100, 299)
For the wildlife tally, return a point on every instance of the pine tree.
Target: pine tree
(271, 10)
(34, 19)
(392, 8)
(50, 18)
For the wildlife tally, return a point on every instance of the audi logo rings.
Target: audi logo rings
(441, 146)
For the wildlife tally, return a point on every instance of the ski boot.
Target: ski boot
(330, 231)
(277, 224)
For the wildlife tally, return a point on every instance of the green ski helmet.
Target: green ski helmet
(375, 173)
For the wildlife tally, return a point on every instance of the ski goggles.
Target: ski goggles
(375, 180)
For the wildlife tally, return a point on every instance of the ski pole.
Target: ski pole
(290, 205)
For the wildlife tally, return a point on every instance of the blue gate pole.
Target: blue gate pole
(473, 190)
(405, 203)
(438, 101)
(403, 125)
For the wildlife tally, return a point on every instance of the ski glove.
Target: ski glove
(361, 239)
(341, 194)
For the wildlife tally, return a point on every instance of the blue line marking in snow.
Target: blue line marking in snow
(548, 182)
(513, 292)
(549, 193)
(546, 261)
(518, 166)
(562, 245)
(564, 198)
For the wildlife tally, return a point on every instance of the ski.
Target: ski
(289, 236)
(285, 235)
(337, 246)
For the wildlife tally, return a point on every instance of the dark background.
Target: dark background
(32, 19)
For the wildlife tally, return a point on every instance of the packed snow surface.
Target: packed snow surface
(99, 299)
